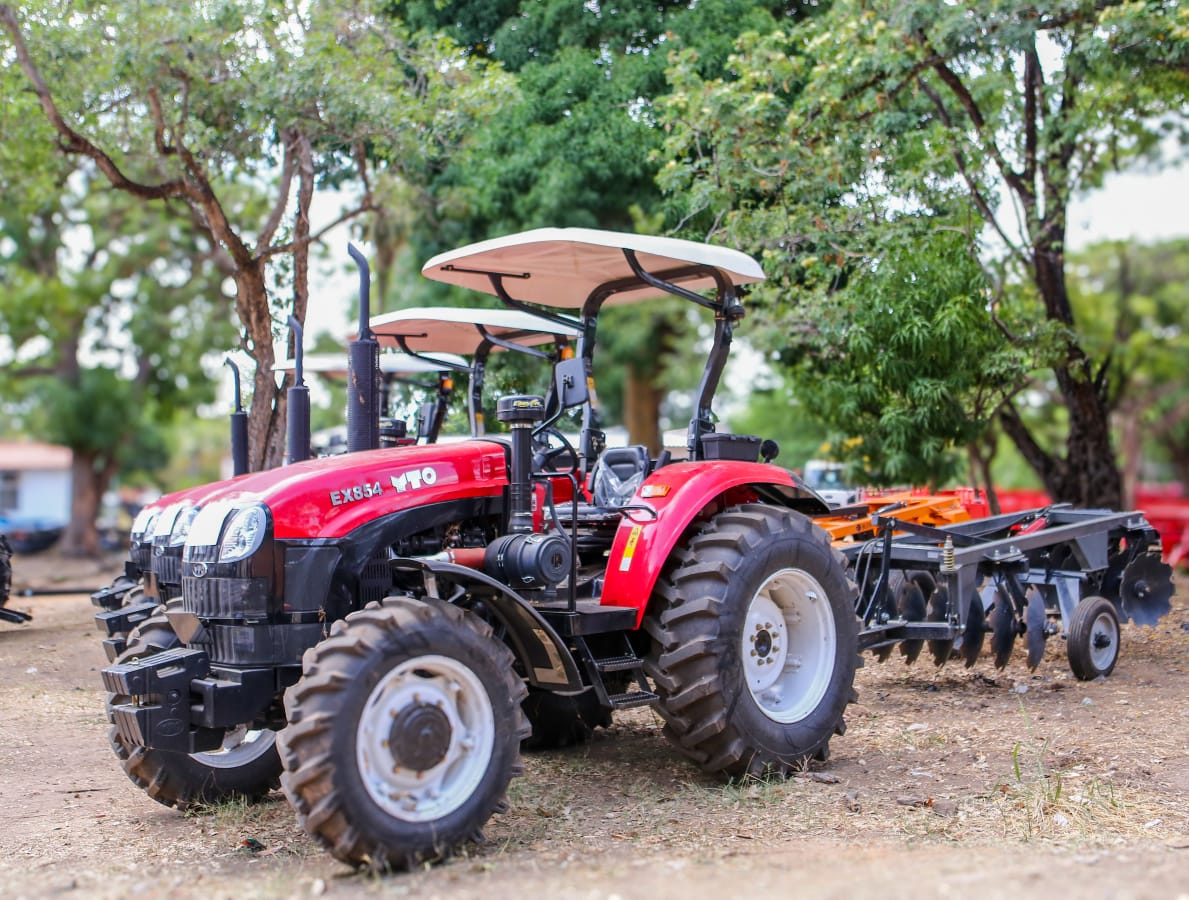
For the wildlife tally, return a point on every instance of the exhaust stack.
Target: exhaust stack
(363, 377)
(239, 427)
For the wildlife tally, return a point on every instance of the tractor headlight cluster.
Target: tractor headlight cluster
(143, 524)
(182, 524)
(244, 534)
(236, 531)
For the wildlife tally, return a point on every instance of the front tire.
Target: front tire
(245, 766)
(403, 734)
(754, 643)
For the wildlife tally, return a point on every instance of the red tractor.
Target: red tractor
(383, 629)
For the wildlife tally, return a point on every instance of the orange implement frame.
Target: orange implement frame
(850, 524)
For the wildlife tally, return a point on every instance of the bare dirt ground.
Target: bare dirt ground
(948, 783)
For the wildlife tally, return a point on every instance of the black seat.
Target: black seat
(617, 475)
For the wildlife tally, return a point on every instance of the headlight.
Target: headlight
(244, 534)
(164, 523)
(142, 525)
(207, 526)
(181, 525)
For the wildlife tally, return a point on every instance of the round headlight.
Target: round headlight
(181, 525)
(244, 534)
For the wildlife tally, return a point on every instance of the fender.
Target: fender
(547, 660)
(670, 500)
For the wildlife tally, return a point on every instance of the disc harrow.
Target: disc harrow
(931, 576)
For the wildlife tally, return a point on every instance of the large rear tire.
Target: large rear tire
(404, 732)
(754, 643)
(246, 766)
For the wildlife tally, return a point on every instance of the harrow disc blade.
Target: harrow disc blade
(1003, 628)
(1146, 590)
(1035, 618)
(911, 605)
(974, 632)
(882, 653)
(939, 602)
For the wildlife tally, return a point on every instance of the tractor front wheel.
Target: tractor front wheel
(754, 643)
(404, 732)
(246, 765)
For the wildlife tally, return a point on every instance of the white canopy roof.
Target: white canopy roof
(390, 364)
(561, 266)
(433, 329)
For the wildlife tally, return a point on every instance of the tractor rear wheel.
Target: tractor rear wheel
(754, 643)
(245, 766)
(404, 732)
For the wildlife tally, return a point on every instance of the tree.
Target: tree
(108, 307)
(840, 138)
(577, 148)
(188, 105)
(1132, 301)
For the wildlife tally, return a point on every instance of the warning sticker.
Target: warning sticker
(630, 550)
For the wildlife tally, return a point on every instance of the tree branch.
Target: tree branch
(70, 141)
(273, 222)
(317, 236)
(984, 206)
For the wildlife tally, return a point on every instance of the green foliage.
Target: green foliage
(108, 307)
(836, 143)
(912, 364)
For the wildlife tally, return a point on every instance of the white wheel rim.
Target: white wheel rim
(1104, 641)
(454, 697)
(240, 746)
(788, 645)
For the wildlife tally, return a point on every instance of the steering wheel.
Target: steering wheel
(549, 445)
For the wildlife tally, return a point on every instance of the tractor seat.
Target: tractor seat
(617, 475)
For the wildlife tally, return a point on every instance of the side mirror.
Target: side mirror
(569, 376)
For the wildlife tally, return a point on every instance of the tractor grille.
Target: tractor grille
(141, 555)
(168, 569)
(226, 598)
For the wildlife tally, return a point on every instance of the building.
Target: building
(34, 486)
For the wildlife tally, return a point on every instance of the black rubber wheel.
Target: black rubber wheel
(754, 643)
(247, 766)
(1093, 639)
(404, 732)
(562, 721)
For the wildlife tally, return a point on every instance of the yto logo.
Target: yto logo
(414, 479)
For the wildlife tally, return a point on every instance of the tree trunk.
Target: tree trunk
(1088, 475)
(642, 410)
(89, 481)
(266, 414)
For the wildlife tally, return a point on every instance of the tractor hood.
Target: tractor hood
(329, 497)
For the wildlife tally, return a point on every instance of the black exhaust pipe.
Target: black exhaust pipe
(520, 412)
(298, 431)
(239, 427)
(363, 377)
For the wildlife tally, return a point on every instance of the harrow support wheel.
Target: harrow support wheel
(404, 732)
(754, 643)
(1093, 639)
(245, 766)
